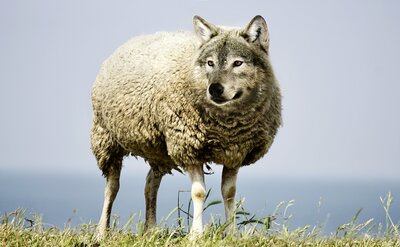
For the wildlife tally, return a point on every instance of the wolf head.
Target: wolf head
(232, 64)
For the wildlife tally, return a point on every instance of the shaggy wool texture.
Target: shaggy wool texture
(149, 100)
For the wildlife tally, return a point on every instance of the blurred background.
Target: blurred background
(337, 63)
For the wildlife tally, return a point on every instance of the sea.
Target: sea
(65, 200)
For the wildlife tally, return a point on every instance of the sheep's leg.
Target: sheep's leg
(153, 181)
(109, 157)
(228, 188)
(198, 193)
(111, 190)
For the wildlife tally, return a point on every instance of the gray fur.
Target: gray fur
(151, 99)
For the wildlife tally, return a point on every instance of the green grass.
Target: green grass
(20, 228)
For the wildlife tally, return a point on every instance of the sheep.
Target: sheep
(182, 100)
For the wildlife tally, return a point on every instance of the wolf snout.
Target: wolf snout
(216, 90)
(219, 94)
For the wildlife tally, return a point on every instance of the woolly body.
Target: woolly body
(147, 99)
(180, 101)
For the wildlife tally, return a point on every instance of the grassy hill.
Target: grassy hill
(20, 228)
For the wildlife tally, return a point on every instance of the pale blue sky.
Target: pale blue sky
(338, 63)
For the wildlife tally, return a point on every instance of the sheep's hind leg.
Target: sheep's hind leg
(153, 181)
(110, 193)
(109, 157)
(198, 193)
(228, 189)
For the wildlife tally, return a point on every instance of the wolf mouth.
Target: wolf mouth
(237, 95)
(222, 100)
(219, 100)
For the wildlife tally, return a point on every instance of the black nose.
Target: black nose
(216, 89)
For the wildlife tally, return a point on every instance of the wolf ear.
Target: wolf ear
(203, 29)
(257, 32)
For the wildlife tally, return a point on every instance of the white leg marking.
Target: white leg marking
(228, 189)
(198, 195)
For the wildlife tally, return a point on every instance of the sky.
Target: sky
(337, 63)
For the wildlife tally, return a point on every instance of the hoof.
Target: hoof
(195, 235)
(100, 235)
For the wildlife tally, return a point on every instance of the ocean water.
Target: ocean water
(77, 199)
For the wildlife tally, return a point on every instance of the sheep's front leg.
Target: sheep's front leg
(153, 181)
(198, 193)
(228, 188)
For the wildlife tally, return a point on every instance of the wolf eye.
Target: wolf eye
(237, 63)
(210, 63)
